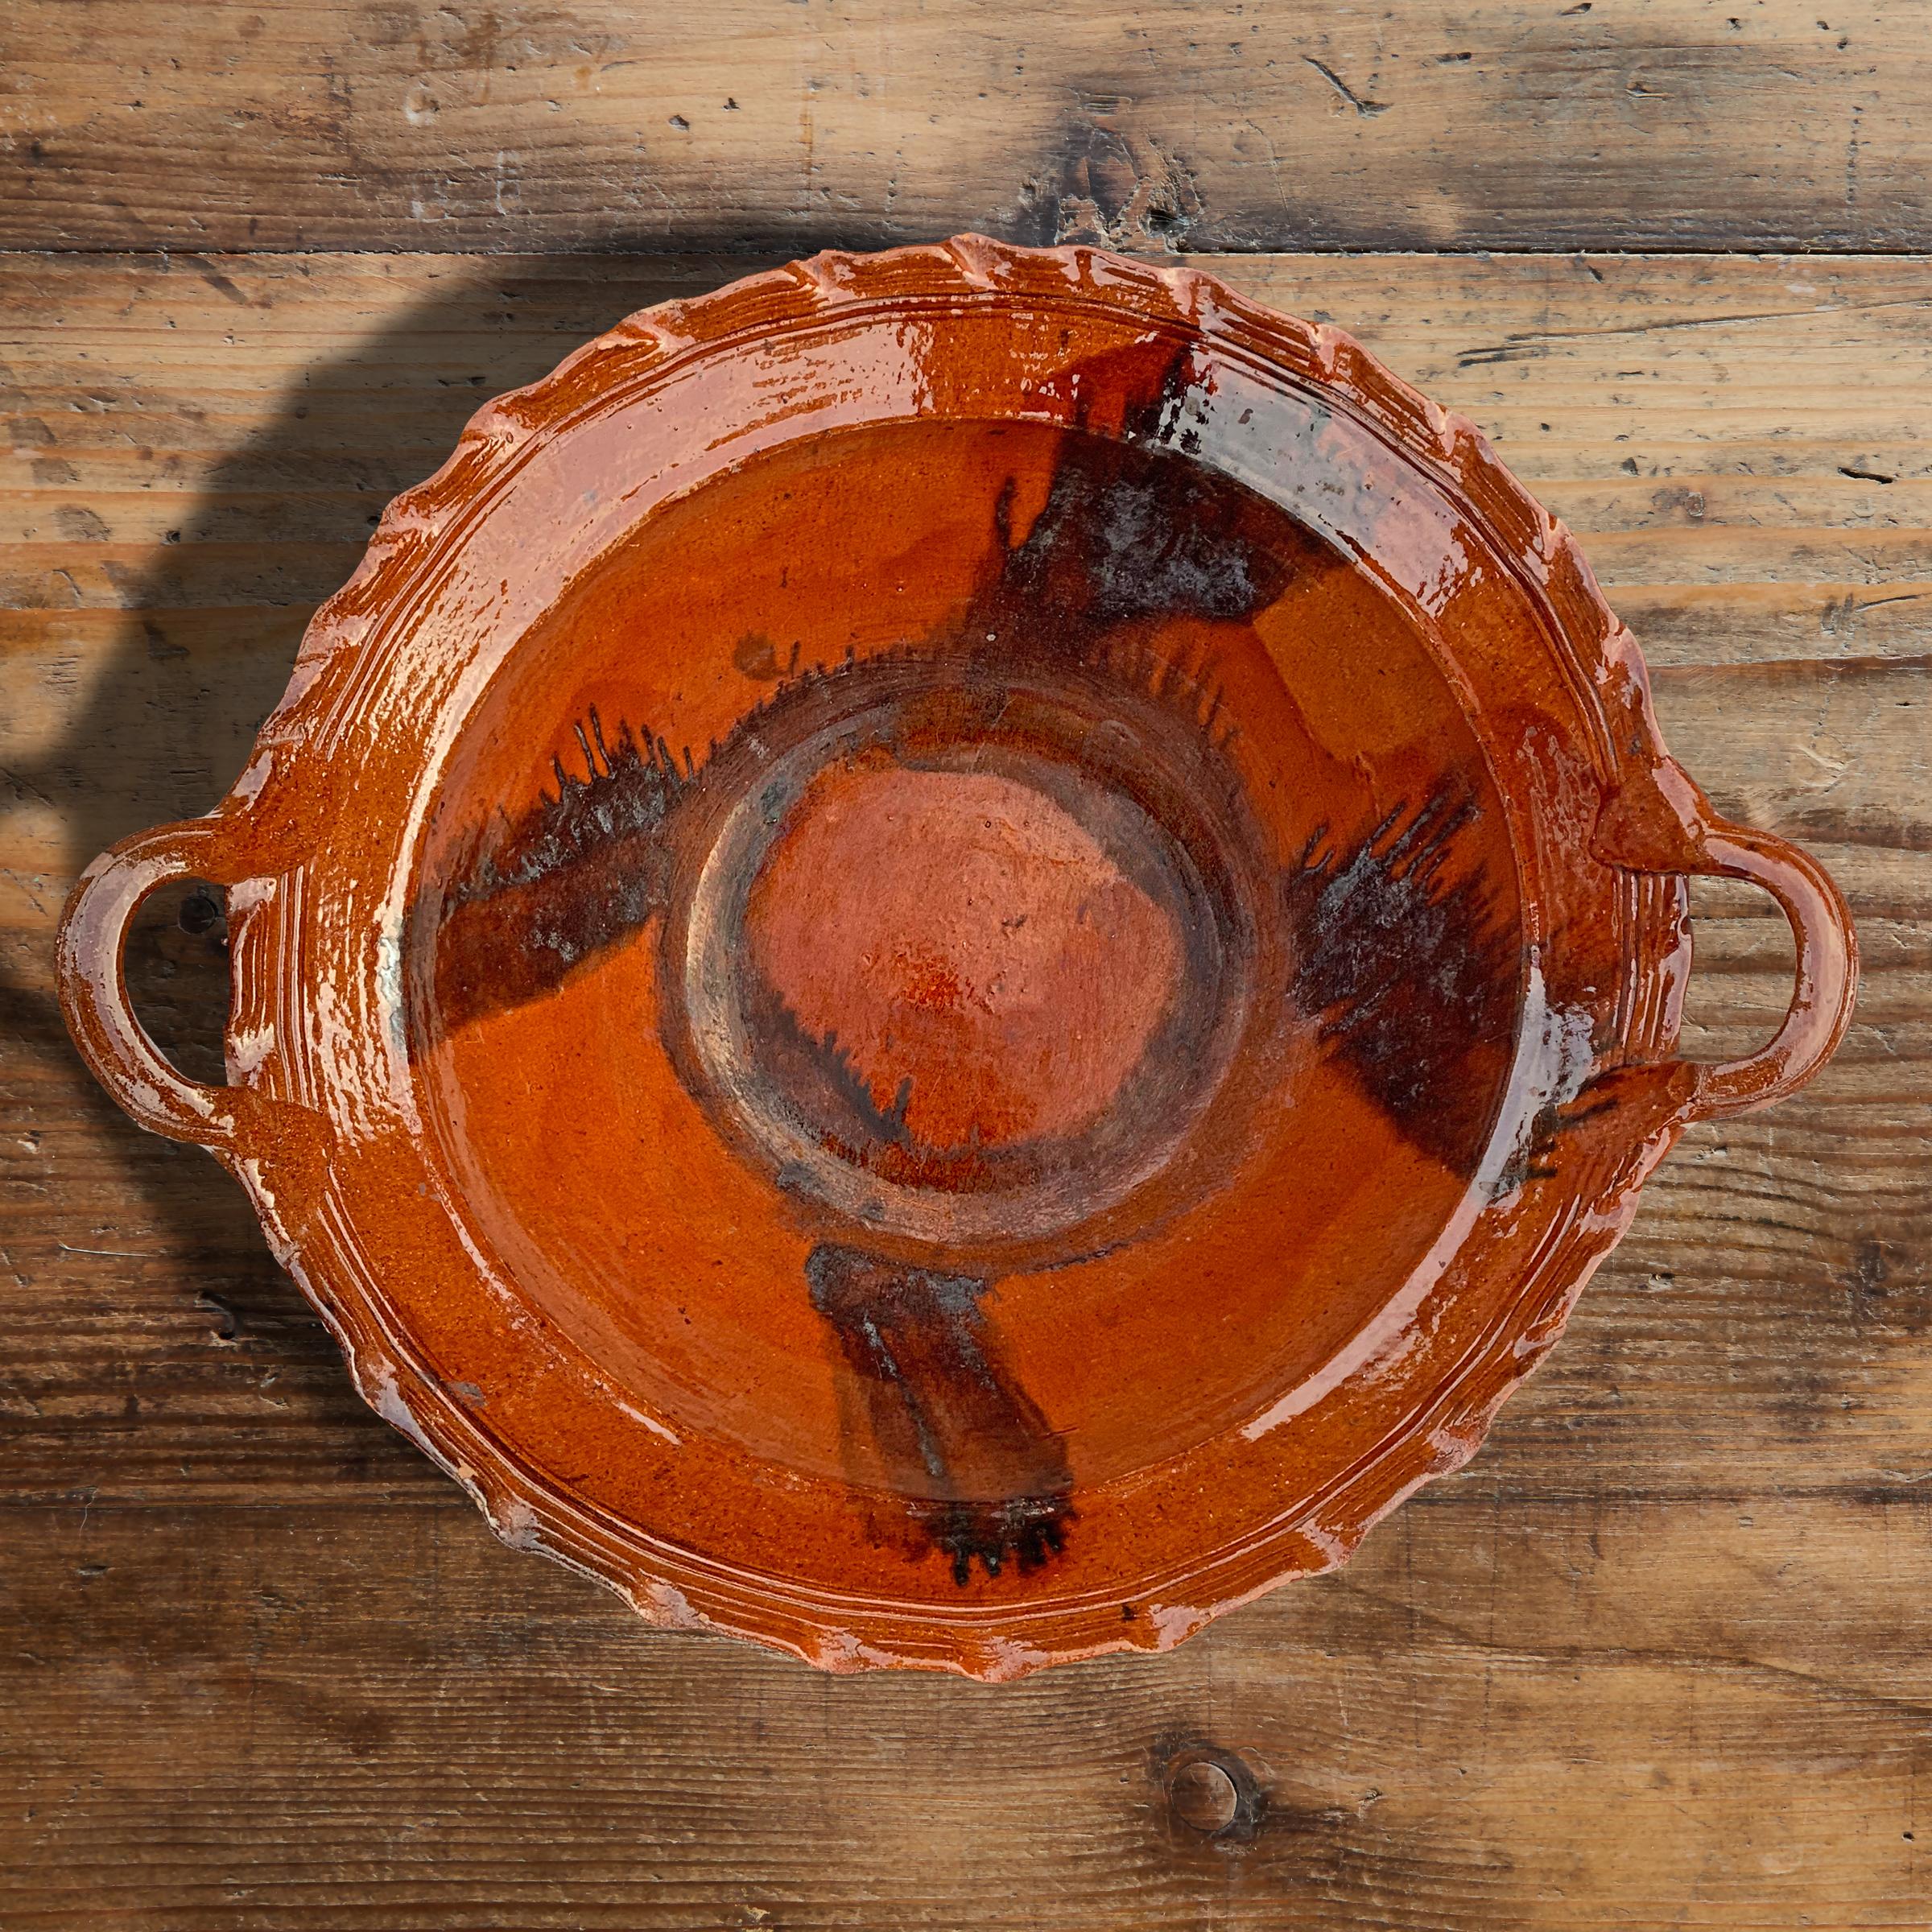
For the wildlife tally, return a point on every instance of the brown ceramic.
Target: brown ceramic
(949, 957)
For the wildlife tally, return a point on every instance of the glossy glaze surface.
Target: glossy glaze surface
(951, 956)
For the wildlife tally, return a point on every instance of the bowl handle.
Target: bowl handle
(93, 985)
(1828, 968)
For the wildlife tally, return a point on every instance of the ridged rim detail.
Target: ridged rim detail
(1603, 658)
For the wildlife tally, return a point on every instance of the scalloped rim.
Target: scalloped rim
(521, 1510)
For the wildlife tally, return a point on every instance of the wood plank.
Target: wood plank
(1657, 1658)
(1495, 1718)
(1500, 124)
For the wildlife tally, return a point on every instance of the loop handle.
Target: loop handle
(1663, 823)
(1828, 969)
(92, 981)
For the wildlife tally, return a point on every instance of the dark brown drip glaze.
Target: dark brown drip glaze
(1400, 961)
(984, 1476)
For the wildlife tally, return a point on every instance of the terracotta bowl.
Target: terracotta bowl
(949, 957)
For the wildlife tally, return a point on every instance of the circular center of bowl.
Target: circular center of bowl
(961, 952)
(961, 962)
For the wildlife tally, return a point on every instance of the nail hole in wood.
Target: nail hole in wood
(1204, 1797)
(1211, 1796)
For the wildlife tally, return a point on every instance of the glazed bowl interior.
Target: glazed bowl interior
(961, 854)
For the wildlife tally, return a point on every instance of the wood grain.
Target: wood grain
(748, 124)
(1658, 1657)
(377, 1720)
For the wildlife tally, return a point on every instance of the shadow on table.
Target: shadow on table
(210, 634)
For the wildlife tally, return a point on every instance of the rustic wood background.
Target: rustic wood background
(1660, 1656)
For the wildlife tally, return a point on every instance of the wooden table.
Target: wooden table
(1662, 1656)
